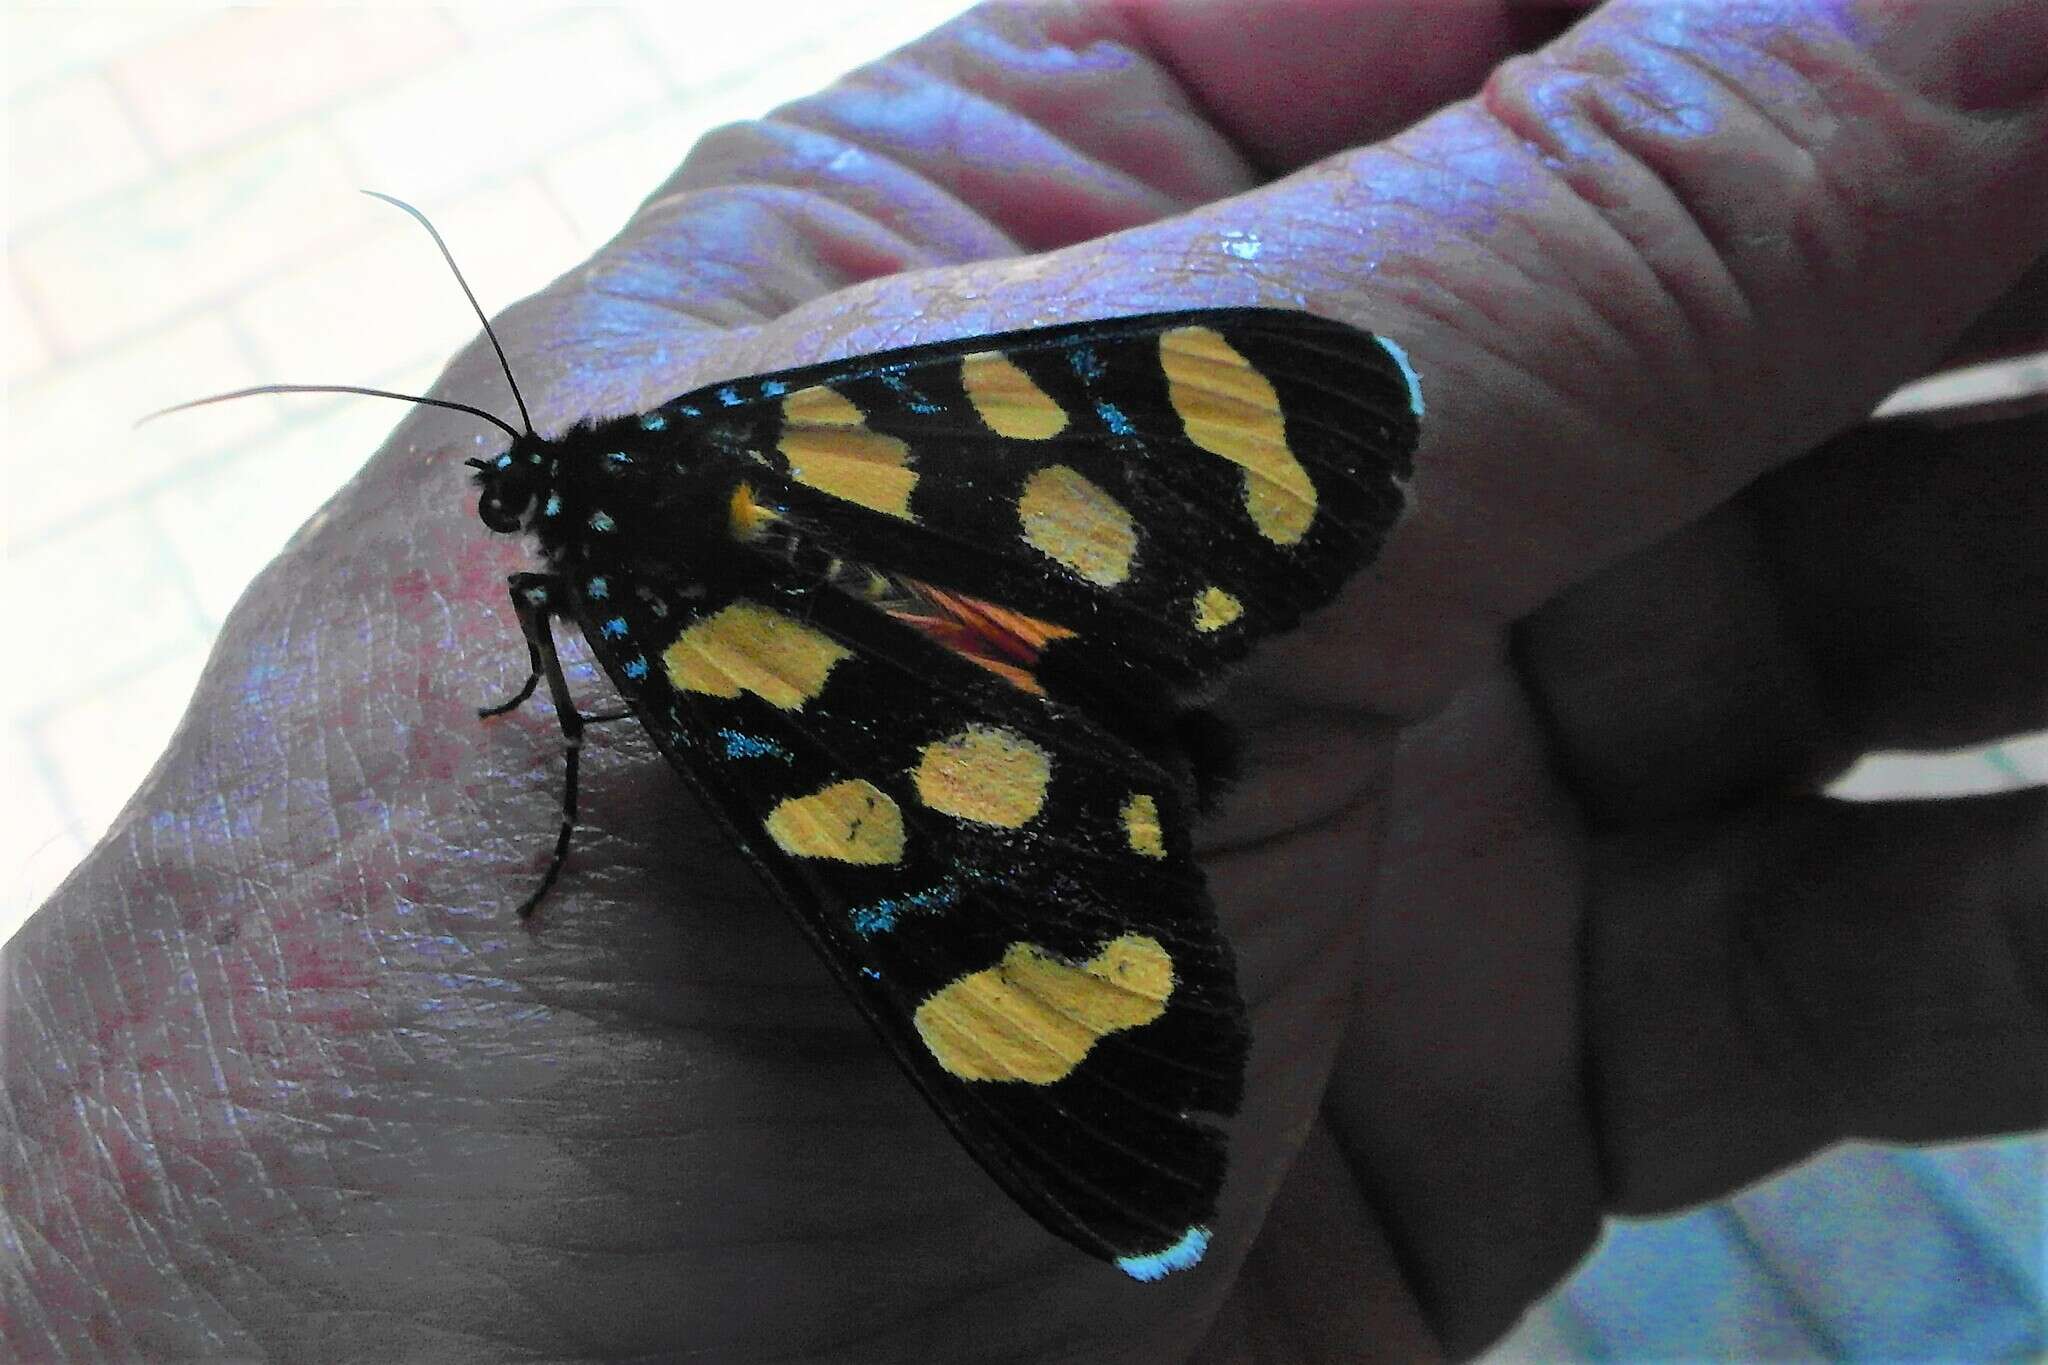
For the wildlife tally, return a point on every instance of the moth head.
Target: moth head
(511, 485)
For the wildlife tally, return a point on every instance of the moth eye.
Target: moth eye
(498, 515)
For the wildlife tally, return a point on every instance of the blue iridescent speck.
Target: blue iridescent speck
(899, 384)
(597, 590)
(773, 388)
(729, 396)
(600, 522)
(1113, 418)
(1407, 372)
(1159, 1264)
(742, 745)
(880, 918)
(554, 507)
(1085, 362)
(652, 421)
(636, 668)
(619, 457)
(614, 628)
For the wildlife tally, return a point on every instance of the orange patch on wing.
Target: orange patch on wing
(1006, 643)
(746, 515)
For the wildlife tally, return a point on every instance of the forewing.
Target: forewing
(1008, 891)
(1169, 487)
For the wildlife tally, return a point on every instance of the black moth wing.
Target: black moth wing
(1171, 486)
(993, 854)
(1030, 848)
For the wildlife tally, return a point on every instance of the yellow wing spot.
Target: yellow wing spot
(747, 647)
(848, 822)
(1008, 399)
(1141, 826)
(1230, 409)
(829, 448)
(986, 774)
(1033, 1017)
(1076, 524)
(746, 514)
(1215, 609)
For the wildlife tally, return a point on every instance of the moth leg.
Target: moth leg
(536, 590)
(533, 603)
(531, 592)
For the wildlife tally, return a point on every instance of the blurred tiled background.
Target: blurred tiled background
(180, 197)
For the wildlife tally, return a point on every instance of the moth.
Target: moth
(929, 631)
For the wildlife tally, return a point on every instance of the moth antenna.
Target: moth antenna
(449, 257)
(497, 422)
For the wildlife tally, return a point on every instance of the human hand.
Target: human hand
(1535, 910)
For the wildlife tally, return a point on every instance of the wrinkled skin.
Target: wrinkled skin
(1538, 911)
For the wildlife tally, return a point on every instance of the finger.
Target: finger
(1910, 562)
(1676, 679)
(1457, 1102)
(2017, 325)
(1016, 127)
(1810, 971)
(1321, 1283)
(1620, 317)
(1046, 124)
(1885, 592)
(1289, 82)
